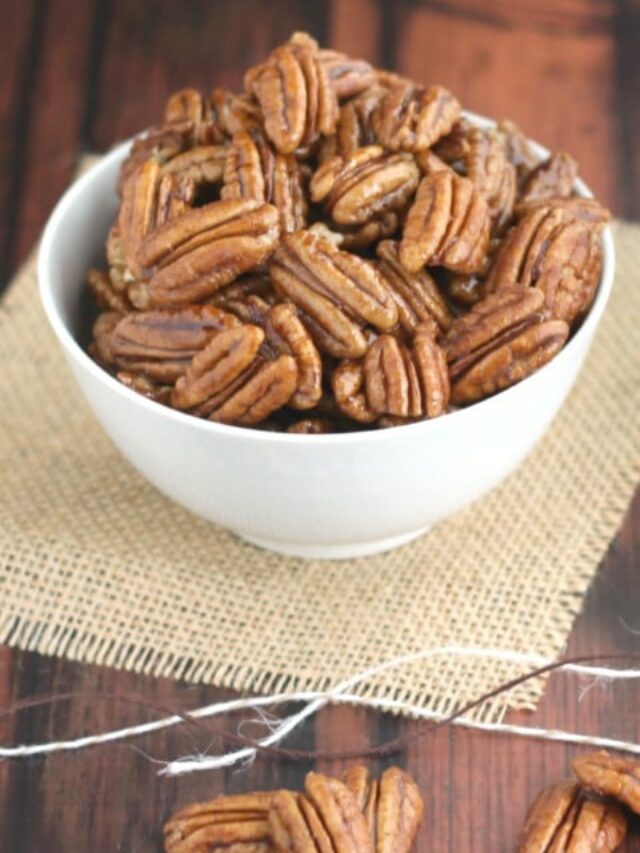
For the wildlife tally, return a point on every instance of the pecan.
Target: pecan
(384, 226)
(235, 113)
(410, 118)
(559, 254)
(554, 178)
(348, 77)
(188, 105)
(393, 807)
(239, 291)
(144, 386)
(416, 294)
(239, 822)
(160, 144)
(370, 182)
(161, 344)
(503, 339)
(312, 426)
(233, 381)
(287, 335)
(338, 291)
(447, 225)
(325, 819)
(137, 213)
(407, 382)
(347, 384)
(199, 252)
(102, 335)
(429, 162)
(614, 777)
(492, 173)
(354, 128)
(295, 95)
(102, 289)
(254, 171)
(203, 164)
(563, 820)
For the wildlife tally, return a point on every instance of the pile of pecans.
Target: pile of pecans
(359, 814)
(338, 248)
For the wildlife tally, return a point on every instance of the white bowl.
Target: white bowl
(317, 496)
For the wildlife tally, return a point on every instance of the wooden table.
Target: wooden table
(81, 74)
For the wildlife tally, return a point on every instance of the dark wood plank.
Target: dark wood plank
(627, 105)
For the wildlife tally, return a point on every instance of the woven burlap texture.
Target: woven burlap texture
(97, 566)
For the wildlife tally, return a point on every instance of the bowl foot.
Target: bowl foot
(333, 552)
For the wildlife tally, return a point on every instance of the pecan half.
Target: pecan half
(554, 178)
(102, 335)
(366, 184)
(254, 171)
(287, 335)
(407, 382)
(295, 95)
(235, 113)
(416, 294)
(563, 820)
(325, 819)
(161, 344)
(234, 381)
(488, 167)
(614, 777)
(502, 340)
(392, 806)
(101, 287)
(203, 164)
(410, 118)
(239, 822)
(159, 143)
(447, 225)
(338, 291)
(199, 252)
(348, 77)
(347, 384)
(354, 128)
(145, 387)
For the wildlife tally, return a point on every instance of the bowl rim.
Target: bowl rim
(46, 261)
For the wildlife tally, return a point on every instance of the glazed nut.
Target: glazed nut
(610, 776)
(554, 178)
(348, 77)
(503, 339)
(240, 822)
(411, 118)
(348, 386)
(447, 225)
(364, 185)
(563, 819)
(192, 256)
(338, 291)
(288, 335)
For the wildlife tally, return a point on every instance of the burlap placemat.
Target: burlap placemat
(97, 566)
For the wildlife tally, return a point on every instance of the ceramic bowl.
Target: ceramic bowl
(316, 496)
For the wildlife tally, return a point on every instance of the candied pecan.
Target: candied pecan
(447, 225)
(137, 214)
(231, 295)
(519, 150)
(235, 113)
(354, 128)
(145, 387)
(199, 252)
(416, 294)
(563, 820)
(503, 339)
(559, 254)
(288, 335)
(554, 178)
(239, 822)
(159, 143)
(614, 777)
(361, 187)
(411, 118)
(429, 162)
(188, 105)
(102, 334)
(160, 344)
(384, 226)
(102, 289)
(338, 291)
(407, 382)
(254, 171)
(295, 95)
(348, 77)
(203, 164)
(393, 807)
(347, 384)
(326, 819)
(312, 426)
(233, 381)
(492, 173)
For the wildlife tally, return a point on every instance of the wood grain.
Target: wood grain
(83, 75)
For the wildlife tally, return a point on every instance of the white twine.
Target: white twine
(315, 700)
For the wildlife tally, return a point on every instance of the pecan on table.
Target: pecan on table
(557, 249)
(416, 294)
(554, 178)
(234, 380)
(190, 257)
(447, 225)
(253, 170)
(295, 95)
(407, 382)
(393, 807)
(239, 823)
(160, 344)
(324, 819)
(564, 820)
(337, 292)
(614, 777)
(364, 185)
(412, 118)
(503, 339)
